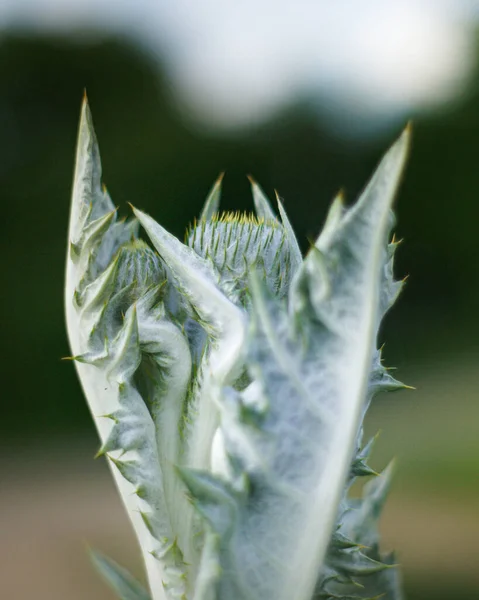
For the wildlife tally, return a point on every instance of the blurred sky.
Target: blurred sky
(237, 64)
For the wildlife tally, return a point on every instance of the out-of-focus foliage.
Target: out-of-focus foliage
(152, 160)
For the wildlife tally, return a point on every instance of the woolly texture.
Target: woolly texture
(228, 379)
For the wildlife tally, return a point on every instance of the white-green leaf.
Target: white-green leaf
(289, 437)
(230, 403)
(116, 322)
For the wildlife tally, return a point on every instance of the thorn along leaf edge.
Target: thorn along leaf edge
(234, 376)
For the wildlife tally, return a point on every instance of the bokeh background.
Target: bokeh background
(305, 96)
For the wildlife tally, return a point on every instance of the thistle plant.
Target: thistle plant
(228, 378)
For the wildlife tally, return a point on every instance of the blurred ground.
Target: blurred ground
(56, 500)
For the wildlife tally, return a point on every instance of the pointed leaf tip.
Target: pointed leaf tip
(212, 202)
(294, 249)
(118, 578)
(101, 452)
(405, 138)
(261, 202)
(86, 115)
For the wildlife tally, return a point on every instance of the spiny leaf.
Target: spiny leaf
(89, 200)
(196, 280)
(309, 367)
(261, 380)
(118, 578)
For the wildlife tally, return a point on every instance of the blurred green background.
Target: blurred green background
(53, 496)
